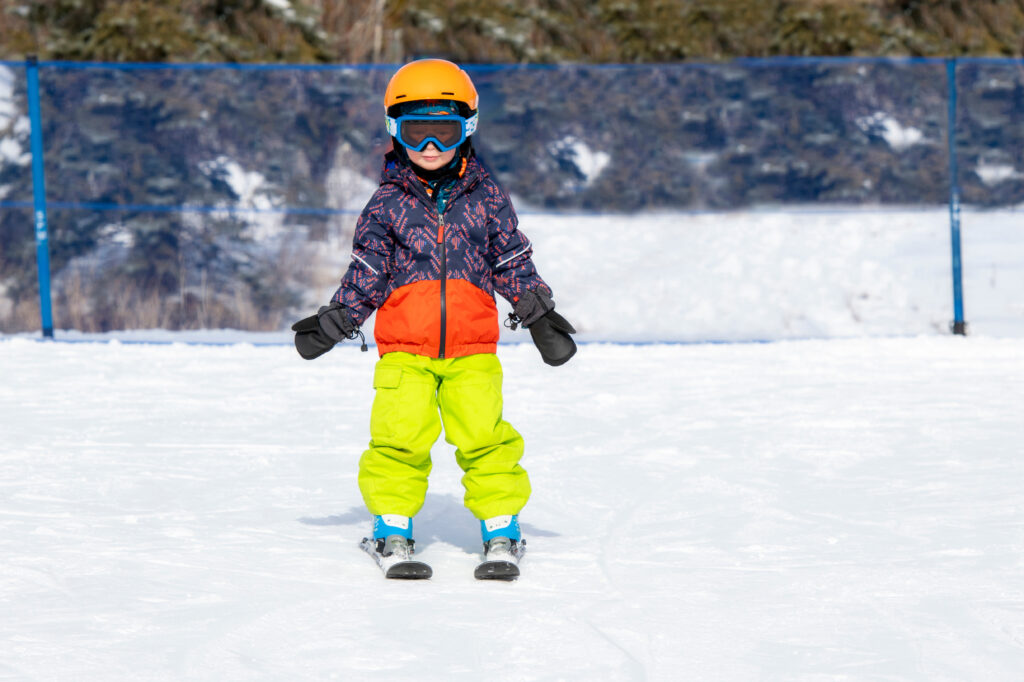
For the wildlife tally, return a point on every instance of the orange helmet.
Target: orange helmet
(431, 79)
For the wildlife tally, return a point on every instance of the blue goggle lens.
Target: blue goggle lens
(416, 132)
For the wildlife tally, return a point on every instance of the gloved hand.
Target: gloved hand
(549, 330)
(335, 322)
(531, 306)
(317, 334)
(551, 336)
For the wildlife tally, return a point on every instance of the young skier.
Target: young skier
(435, 242)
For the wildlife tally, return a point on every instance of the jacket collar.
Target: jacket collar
(397, 172)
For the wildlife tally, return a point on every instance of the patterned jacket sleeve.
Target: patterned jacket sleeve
(511, 253)
(364, 285)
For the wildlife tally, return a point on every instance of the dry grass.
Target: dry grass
(19, 316)
(358, 30)
(100, 305)
(92, 297)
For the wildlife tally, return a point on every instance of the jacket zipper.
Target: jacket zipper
(444, 280)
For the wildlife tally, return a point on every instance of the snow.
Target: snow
(799, 510)
(898, 136)
(590, 163)
(249, 187)
(283, 6)
(348, 190)
(747, 277)
(8, 108)
(995, 173)
(252, 192)
(11, 150)
(839, 500)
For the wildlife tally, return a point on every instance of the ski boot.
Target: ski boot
(392, 548)
(503, 548)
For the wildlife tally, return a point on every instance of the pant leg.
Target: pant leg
(404, 424)
(488, 449)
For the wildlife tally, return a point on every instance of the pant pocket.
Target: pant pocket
(386, 381)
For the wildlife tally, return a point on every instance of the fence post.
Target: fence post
(39, 197)
(959, 326)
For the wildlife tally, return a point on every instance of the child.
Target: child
(434, 243)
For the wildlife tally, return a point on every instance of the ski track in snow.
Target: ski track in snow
(800, 510)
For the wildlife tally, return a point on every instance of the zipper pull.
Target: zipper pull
(440, 228)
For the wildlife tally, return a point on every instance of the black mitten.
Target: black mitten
(532, 306)
(317, 334)
(310, 340)
(550, 331)
(551, 336)
(335, 322)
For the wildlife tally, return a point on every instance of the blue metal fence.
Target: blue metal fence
(154, 143)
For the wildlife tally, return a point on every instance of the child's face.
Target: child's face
(430, 158)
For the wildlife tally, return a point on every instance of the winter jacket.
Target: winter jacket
(430, 272)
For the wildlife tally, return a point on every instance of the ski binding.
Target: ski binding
(394, 556)
(501, 560)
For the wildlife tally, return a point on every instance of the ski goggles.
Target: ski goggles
(445, 131)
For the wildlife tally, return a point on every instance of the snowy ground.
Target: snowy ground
(843, 509)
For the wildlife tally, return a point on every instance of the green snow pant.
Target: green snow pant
(411, 390)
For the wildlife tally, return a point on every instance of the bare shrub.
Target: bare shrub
(20, 315)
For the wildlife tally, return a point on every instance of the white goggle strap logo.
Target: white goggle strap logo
(470, 124)
(392, 125)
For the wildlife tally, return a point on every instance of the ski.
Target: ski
(501, 561)
(397, 565)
